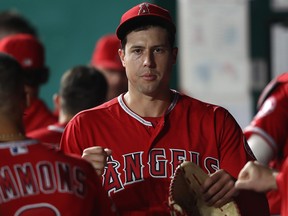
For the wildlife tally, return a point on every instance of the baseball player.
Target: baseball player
(35, 180)
(81, 87)
(267, 133)
(106, 59)
(258, 177)
(29, 52)
(147, 131)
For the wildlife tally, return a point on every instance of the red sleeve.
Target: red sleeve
(71, 138)
(271, 121)
(235, 152)
(232, 144)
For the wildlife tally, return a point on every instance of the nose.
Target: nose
(149, 60)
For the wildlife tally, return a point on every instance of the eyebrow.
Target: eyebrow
(155, 46)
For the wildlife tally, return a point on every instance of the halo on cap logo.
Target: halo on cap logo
(144, 9)
(27, 62)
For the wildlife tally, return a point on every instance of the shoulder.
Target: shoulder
(277, 82)
(200, 106)
(283, 78)
(197, 110)
(49, 130)
(102, 108)
(38, 132)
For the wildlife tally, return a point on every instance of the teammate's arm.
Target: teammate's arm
(257, 177)
(261, 149)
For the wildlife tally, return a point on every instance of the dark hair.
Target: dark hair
(82, 87)
(12, 22)
(11, 81)
(146, 25)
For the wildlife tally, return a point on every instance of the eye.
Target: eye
(159, 50)
(137, 51)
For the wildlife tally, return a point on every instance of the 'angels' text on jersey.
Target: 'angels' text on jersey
(158, 165)
(24, 180)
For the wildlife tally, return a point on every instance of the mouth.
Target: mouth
(149, 76)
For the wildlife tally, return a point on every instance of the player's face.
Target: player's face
(148, 59)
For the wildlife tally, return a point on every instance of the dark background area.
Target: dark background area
(69, 30)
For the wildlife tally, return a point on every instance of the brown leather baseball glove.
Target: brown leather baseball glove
(185, 196)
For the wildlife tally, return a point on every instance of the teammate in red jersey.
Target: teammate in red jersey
(151, 128)
(29, 52)
(267, 133)
(82, 87)
(35, 180)
(258, 177)
(106, 59)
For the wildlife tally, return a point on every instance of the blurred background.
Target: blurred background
(228, 49)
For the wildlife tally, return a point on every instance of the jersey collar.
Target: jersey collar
(139, 118)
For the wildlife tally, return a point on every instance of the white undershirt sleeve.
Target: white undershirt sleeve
(261, 149)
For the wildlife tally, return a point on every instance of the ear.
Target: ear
(121, 53)
(56, 102)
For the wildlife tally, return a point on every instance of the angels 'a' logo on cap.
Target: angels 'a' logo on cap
(144, 8)
(27, 62)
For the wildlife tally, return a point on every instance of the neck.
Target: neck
(11, 129)
(146, 106)
(64, 117)
(11, 137)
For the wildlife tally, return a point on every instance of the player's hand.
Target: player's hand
(219, 189)
(257, 177)
(97, 156)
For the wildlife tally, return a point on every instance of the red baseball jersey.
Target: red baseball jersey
(146, 151)
(282, 180)
(271, 123)
(37, 115)
(49, 135)
(36, 180)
